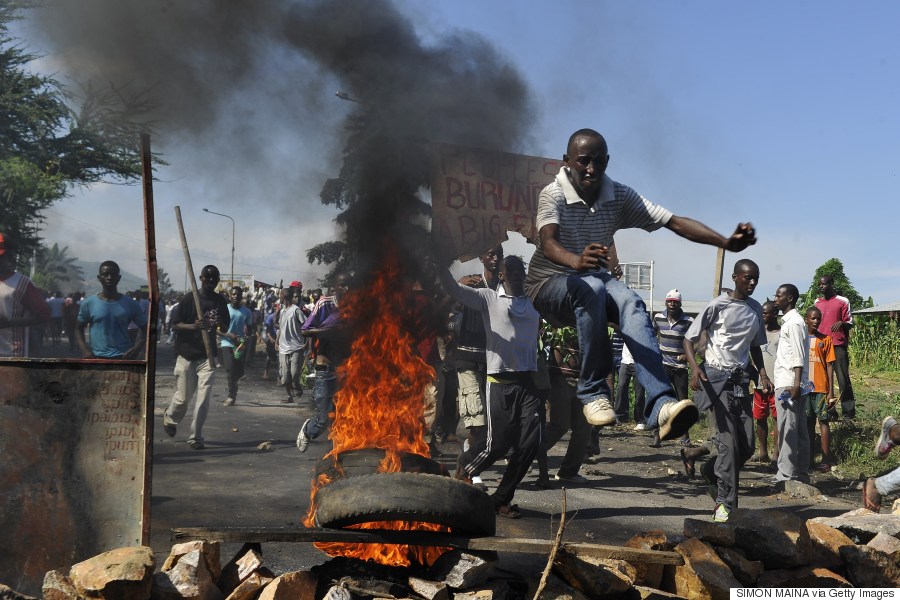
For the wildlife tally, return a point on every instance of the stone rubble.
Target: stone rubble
(763, 548)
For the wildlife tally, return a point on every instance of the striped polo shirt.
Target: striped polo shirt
(618, 207)
(671, 338)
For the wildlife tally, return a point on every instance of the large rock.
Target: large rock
(460, 570)
(298, 585)
(802, 577)
(887, 544)
(120, 574)
(744, 570)
(778, 538)
(647, 574)
(247, 560)
(826, 544)
(189, 577)
(250, 587)
(862, 525)
(209, 550)
(593, 578)
(703, 576)
(430, 590)
(557, 589)
(496, 589)
(58, 586)
(7, 593)
(719, 534)
(871, 568)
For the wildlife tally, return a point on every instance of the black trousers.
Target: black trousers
(514, 420)
(234, 367)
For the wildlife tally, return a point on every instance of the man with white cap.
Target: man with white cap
(671, 325)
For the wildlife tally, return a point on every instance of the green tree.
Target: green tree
(162, 280)
(52, 141)
(842, 286)
(55, 270)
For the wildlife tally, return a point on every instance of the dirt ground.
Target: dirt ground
(232, 483)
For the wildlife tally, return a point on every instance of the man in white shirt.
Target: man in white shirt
(791, 372)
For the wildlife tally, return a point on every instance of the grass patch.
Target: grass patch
(853, 443)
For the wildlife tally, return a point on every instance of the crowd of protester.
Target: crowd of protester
(507, 376)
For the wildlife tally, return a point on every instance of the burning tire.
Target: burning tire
(365, 462)
(406, 497)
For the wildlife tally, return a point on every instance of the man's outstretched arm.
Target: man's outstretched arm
(744, 234)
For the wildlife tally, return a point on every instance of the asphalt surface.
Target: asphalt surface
(232, 483)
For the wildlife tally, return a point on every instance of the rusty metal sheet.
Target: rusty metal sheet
(73, 464)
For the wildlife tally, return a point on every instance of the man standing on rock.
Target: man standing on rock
(193, 371)
(569, 281)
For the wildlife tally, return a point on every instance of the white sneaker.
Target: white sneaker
(302, 440)
(721, 515)
(599, 412)
(229, 402)
(640, 427)
(676, 418)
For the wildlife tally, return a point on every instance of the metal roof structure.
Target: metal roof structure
(881, 309)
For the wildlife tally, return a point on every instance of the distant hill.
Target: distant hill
(90, 285)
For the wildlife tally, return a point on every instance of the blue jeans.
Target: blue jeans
(323, 397)
(583, 299)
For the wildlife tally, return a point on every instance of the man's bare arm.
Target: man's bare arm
(744, 234)
(594, 256)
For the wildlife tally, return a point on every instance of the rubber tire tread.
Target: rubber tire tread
(365, 462)
(406, 497)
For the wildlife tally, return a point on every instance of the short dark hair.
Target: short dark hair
(210, 271)
(813, 309)
(791, 289)
(584, 132)
(109, 263)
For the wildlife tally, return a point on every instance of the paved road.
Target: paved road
(231, 483)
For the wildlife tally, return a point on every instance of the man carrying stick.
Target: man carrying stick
(193, 371)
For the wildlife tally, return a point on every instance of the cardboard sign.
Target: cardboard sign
(477, 196)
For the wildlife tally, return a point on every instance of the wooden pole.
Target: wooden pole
(720, 268)
(420, 538)
(207, 343)
(152, 334)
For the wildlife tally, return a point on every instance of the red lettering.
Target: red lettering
(455, 199)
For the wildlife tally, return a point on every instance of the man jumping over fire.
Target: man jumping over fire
(512, 400)
(568, 279)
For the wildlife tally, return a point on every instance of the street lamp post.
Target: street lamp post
(231, 277)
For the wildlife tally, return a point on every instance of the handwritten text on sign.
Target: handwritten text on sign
(479, 195)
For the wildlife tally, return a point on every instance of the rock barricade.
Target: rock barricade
(766, 548)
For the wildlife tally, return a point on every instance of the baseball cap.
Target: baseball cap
(296, 284)
(673, 295)
(2, 244)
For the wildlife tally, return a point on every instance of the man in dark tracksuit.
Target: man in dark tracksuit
(513, 403)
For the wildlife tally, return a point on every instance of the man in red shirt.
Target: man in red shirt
(21, 304)
(836, 322)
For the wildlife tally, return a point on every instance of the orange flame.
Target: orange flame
(379, 404)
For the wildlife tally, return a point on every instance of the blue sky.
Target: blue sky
(783, 114)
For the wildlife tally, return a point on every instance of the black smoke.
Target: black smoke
(252, 84)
